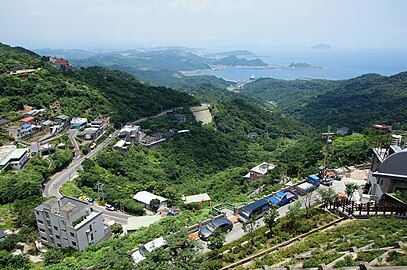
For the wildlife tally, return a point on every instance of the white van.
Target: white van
(140, 254)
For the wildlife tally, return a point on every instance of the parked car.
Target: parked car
(140, 253)
(89, 200)
(222, 224)
(283, 197)
(109, 207)
(255, 209)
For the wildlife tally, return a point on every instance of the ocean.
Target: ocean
(339, 64)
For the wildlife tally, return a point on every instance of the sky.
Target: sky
(213, 24)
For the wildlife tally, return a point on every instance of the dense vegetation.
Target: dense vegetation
(324, 247)
(12, 59)
(356, 103)
(173, 79)
(207, 159)
(85, 92)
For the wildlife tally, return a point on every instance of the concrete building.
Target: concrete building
(130, 133)
(259, 171)
(388, 172)
(78, 122)
(145, 197)
(12, 157)
(18, 132)
(89, 133)
(70, 222)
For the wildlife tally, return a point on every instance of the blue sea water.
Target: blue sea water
(340, 64)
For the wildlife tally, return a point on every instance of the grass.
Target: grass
(325, 246)
(281, 233)
(7, 217)
(70, 189)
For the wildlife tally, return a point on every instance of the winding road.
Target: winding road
(54, 184)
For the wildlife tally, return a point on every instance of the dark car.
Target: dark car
(222, 224)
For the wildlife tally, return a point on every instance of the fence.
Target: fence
(366, 210)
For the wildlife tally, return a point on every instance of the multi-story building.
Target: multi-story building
(70, 222)
(12, 157)
(388, 172)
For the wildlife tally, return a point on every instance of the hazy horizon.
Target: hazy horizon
(257, 25)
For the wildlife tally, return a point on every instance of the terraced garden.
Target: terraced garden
(348, 244)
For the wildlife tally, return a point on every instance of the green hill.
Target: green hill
(356, 103)
(81, 92)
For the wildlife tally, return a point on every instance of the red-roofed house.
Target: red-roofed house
(26, 120)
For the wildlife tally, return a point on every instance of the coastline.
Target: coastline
(277, 67)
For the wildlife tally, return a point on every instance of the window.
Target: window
(57, 236)
(44, 238)
(74, 243)
(90, 227)
(55, 228)
(59, 245)
(72, 234)
(38, 212)
(42, 230)
(40, 221)
(91, 237)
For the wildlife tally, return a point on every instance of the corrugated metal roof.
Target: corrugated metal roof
(204, 197)
(135, 223)
(146, 197)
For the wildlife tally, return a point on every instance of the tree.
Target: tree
(154, 204)
(270, 219)
(53, 256)
(250, 227)
(295, 214)
(216, 241)
(307, 200)
(328, 195)
(116, 229)
(350, 188)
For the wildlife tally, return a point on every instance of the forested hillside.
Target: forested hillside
(356, 103)
(81, 92)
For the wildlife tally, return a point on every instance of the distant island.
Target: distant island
(321, 46)
(302, 65)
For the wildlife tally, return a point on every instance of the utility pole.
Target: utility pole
(101, 192)
(327, 148)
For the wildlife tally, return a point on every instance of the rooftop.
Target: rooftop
(135, 223)
(204, 197)
(394, 165)
(18, 153)
(146, 197)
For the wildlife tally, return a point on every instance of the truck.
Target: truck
(255, 209)
(283, 197)
(308, 185)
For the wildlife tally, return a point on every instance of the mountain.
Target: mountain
(173, 79)
(67, 53)
(321, 46)
(235, 61)
(80, 92)
(356, 103)
(237, 53)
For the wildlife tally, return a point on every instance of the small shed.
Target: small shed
(198, 198)
(145, 197)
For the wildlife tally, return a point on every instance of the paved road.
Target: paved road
(56, 181)
(53, 185)
(238, 232)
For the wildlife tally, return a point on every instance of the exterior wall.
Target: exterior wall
(255, 176)
(57, 230)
